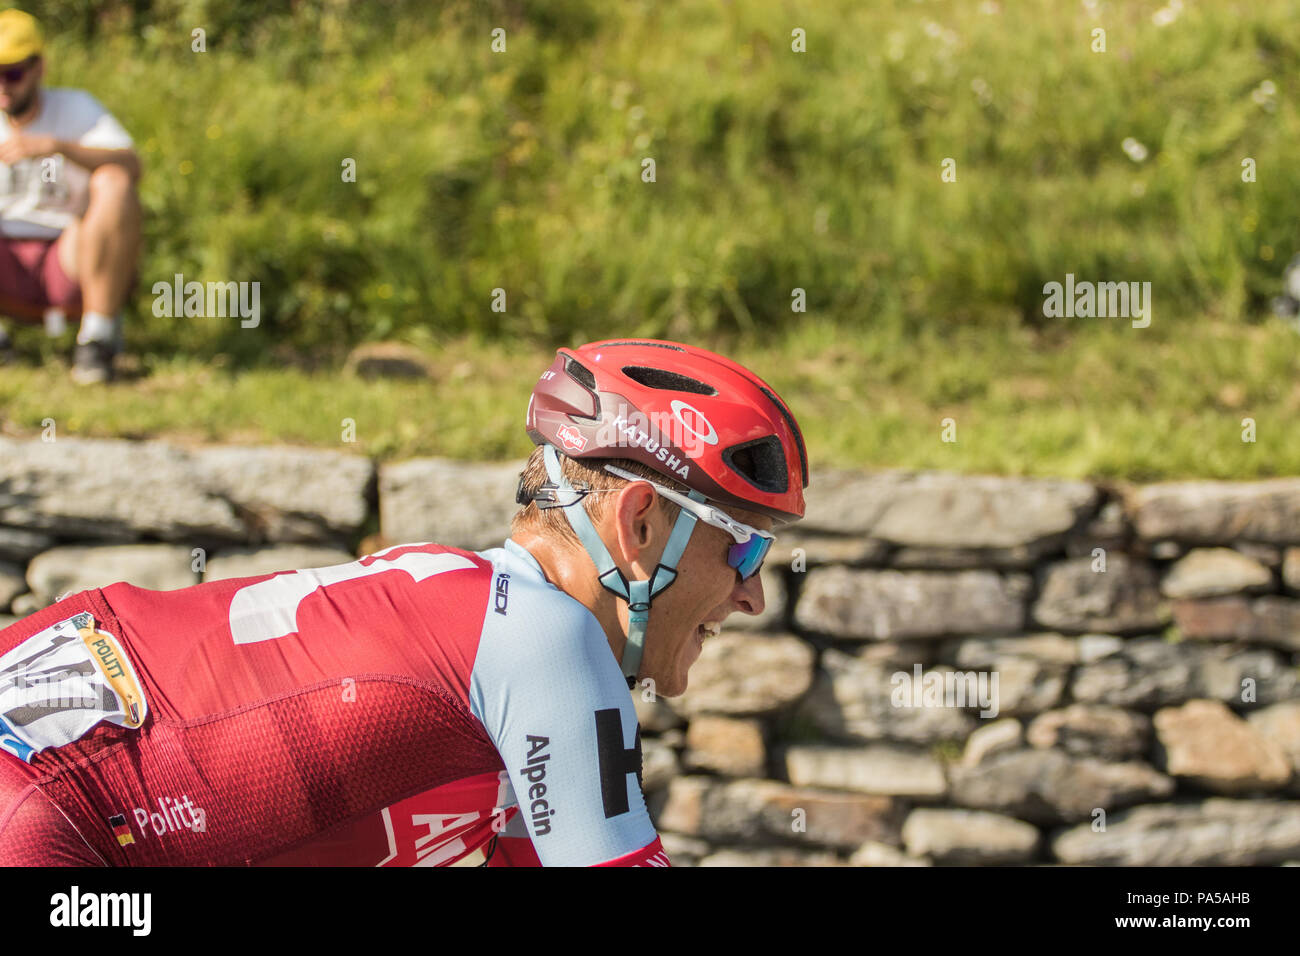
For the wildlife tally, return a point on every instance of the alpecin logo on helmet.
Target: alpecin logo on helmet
(570, 437)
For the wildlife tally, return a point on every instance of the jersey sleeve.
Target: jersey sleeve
(553, 700)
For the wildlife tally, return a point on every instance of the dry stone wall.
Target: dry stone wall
(949, 669)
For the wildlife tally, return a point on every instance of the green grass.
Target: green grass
(1138, 404)
(521, 171)
(775, 170)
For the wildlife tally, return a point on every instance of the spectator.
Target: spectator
(1287, 305)
(69, 215)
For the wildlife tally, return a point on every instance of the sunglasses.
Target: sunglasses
(13, 74)
(751, 546)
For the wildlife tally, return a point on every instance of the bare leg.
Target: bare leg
(100, 252)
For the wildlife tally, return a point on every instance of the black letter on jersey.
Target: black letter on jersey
(503, 592)
(616, 762)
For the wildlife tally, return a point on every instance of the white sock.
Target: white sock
(97, 327)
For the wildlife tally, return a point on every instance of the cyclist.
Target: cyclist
(424, 705)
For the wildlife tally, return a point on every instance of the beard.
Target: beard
(19, 106)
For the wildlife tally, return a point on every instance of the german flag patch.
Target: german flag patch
(120, 829)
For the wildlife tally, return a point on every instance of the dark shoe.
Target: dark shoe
(6, 347)
(92, 363)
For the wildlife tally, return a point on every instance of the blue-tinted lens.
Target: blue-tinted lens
(747, 557)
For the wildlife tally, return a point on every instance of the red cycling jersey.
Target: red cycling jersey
(421, 706)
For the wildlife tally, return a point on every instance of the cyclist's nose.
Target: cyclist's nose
(748, 595)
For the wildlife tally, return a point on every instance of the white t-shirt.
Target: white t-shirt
(37, 200)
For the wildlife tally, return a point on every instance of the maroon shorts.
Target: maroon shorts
(30, 275)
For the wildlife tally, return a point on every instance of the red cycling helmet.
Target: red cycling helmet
(686, 412)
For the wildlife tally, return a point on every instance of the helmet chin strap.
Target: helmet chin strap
(637, 594)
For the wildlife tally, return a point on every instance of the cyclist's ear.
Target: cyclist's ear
(637, 521)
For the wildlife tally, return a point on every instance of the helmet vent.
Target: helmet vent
(760, 462)
(798, 436)
(658, 345)
(580, 374)
(669, 381)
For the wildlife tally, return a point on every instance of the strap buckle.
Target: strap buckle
(550, 494)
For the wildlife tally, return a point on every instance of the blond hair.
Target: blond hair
(552, 521)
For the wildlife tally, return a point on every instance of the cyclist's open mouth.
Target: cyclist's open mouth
(707, 629)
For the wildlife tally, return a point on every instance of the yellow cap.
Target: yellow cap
(20, 36)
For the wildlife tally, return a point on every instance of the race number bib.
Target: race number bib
(60, 683)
